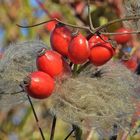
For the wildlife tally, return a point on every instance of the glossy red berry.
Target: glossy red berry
(95, 39)
(60, 39)
(50, 61)
(78, 50)
(100, 54)
(50, 25)
(131, 64)
(124, 38)
(101, 51)
(39, 85)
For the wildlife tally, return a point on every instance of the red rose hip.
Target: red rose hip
(78, 50)
(50, 61)
(39, 85)
(50, 25)
(131, 64)
(60, 38)
(95, 39)
(100, 54)
(123, 38)
(101, 50)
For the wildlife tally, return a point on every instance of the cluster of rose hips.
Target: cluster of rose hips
(68, 50)
(126, 43)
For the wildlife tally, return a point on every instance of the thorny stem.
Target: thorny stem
(70, 133)
(53, 128)
(89, 16)
(36, 118)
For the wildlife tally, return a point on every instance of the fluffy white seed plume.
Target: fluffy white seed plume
(92, 100)
(17, 62)
(98, 102)
(132, 7)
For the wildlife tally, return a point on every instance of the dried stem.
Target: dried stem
(78, 132)
(53, 128)
(91, 29)
(99, 34)
(134, 32)
(69, 134)
(55, 19)
(23, 86)
(115, 21)
(36, 118)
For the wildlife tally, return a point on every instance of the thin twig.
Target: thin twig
(70, 133)
(78, 132)
(120, 33)
(99, 34)
(55, 19)
(89, 16)
(115, 21)
(92, 31)
(53, 128)
(36, 118)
